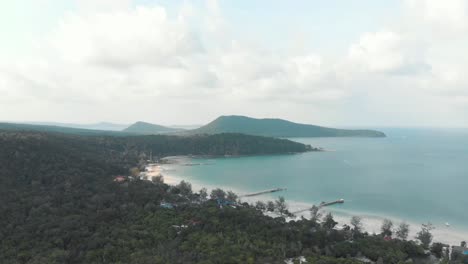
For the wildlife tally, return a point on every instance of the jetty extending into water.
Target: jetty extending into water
(322, 204)
(263, 192)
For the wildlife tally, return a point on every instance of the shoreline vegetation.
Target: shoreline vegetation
(432, 251)
(371, 224)
(79, 199)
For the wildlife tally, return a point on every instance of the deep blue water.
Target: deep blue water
(418, 175)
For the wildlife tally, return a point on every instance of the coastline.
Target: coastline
(154, 170)
(371, 223)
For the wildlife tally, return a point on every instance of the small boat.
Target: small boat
(447, 224)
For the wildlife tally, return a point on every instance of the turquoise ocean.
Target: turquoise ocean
(412, 175)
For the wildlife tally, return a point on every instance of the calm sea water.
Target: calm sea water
(418, 175)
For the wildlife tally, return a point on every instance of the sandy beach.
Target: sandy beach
(371, 223)
(154, 170)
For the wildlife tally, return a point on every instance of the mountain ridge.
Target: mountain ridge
(59, 129)
(275, 127)
(145, 128)
(108, 126)
(268, 127)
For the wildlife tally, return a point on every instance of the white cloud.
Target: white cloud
(384, 52)
(142, 52)
(101, 6)
(441, 29)
(134, 61)
(305, 69)
(124, 38)
(447, 15)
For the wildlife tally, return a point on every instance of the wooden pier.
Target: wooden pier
(263, 192)
(322, 204)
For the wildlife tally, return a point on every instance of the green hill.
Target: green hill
(144, 128)
(276, 128)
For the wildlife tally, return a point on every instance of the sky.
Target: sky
(362, 63)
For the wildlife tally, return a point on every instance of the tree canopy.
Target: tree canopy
(60, 204)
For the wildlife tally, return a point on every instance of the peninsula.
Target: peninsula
(273, 127)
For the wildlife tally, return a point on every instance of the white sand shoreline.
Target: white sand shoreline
(155, 170)
(371, 223)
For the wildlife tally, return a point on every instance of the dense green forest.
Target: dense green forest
(166, 145)
(276, 128)
(59, 204)
(100, 126)
(60, 129)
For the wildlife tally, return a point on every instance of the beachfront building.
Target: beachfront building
(120, 179)
(459, 252)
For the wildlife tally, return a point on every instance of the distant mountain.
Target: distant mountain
(96, 126)
(144, 128)
(186, 127)
(276, 128)
(60, 129)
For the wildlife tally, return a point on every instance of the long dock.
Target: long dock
(263, 192)
(322, 204)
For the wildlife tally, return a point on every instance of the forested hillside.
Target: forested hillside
(272, 127)
(59, 204)
(143, 128)
(59, 129)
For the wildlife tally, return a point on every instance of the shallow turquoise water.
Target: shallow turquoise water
(413, 174)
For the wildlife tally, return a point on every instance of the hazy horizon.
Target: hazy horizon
(331, 63)
(193, 126)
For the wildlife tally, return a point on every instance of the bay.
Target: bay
(414, 175)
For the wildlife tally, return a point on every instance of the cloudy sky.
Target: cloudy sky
(338, 63)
